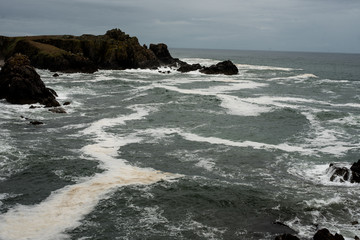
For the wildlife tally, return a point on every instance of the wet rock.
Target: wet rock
(57, 110)
(345, 174)
(286, 237)
(33, 107)
(355, 169)
(354, 223)
(324, 234)
(35, 122)
(20, 83)
(225, 67)
(66, 103)
(189, 67)
(56, 75)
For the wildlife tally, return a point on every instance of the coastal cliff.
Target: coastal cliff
(86, 53)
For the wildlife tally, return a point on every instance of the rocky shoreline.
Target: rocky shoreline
(89, 53)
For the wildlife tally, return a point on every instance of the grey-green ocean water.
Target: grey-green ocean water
(146, 155)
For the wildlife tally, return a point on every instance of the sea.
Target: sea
(159, 154)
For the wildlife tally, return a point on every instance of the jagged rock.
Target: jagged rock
(345, 174)
(57, 110)
(355, 169)
(86, 53)
(324, 234)
(225, 67)
(286, 237)
(20, 83)
(162, 53)
(189, 67)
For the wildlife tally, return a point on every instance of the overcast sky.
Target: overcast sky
(287, 25)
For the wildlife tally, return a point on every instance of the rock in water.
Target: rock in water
(324, 234)
(20, 83)
(345, 174)
(225, 67)
(355, 169)
(188, 68)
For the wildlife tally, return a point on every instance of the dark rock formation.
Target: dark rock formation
(162, 53)
(324, 234)
(355, 170)
(286, 237)
(86, 53)
(35, 122)
(225, 67)
(20, 83)
(189, 67)
(345, 174)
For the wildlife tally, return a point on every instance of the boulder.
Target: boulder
(225, 67)
(189, 67)
(20, 83)
(324, 234)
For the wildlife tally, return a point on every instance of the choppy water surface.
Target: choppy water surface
(146, 155)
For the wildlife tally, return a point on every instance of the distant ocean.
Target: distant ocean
(145, 155)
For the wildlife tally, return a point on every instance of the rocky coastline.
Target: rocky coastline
(89, 53)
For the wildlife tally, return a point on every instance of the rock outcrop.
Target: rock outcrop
(225, 67)
(20, 83)
(88, 53)
(324, 234)
(189, 67)
(344, 174)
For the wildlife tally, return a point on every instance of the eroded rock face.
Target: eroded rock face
(20, 83)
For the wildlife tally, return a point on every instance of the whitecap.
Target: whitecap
(265, 68)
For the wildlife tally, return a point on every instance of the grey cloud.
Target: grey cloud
(301, 25)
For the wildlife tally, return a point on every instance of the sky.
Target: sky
(278, 25)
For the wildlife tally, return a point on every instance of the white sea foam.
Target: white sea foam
(233, 104)
(266, 68)
(64, 208)
(296, 78)
(237, 106)
(162, 132)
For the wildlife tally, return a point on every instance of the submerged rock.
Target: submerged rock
(20, 83)
(57, 110)
(324, 234)
(344, 174)
(225, 67)
(35, 122)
